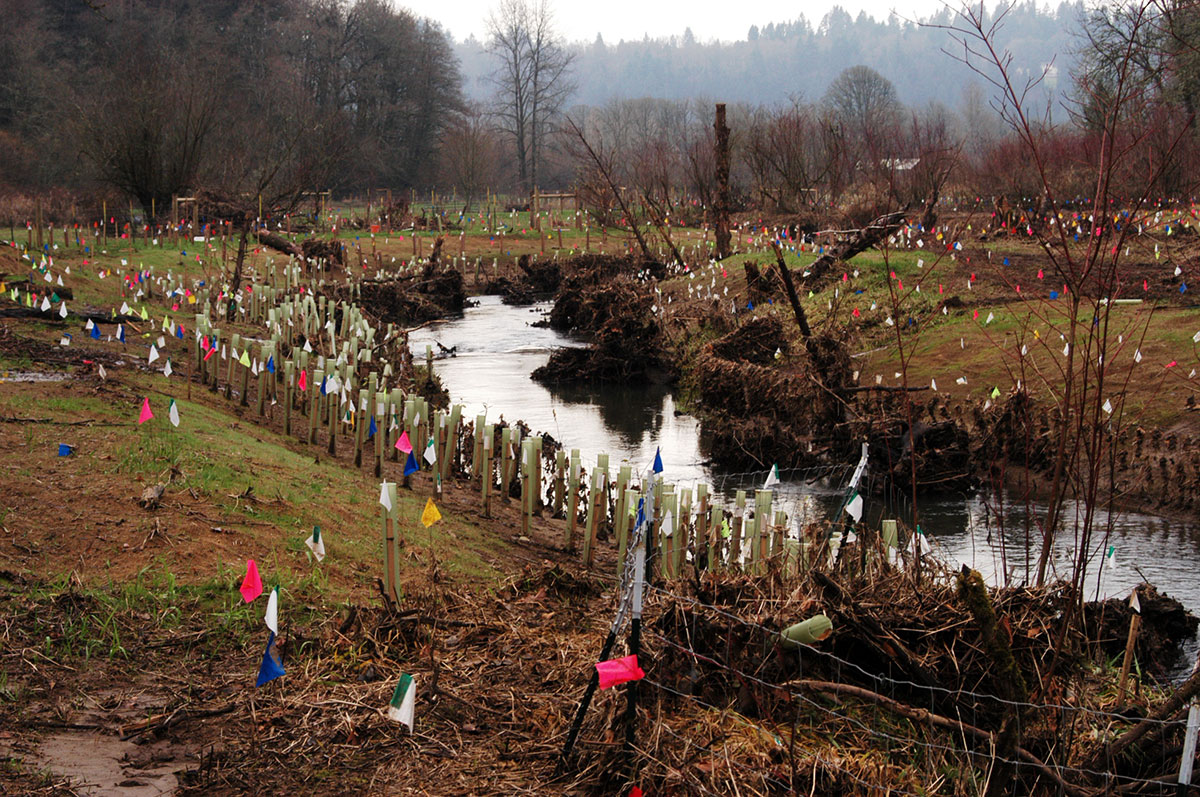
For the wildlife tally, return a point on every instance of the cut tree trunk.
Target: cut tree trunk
(721, 209)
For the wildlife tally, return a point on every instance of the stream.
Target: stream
(498, 348)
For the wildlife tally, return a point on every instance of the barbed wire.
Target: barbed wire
(882, 679)
(891, 789)
(1129, 780)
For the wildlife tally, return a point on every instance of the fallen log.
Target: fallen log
(859, 242)
(278, 243)
(1152, 726)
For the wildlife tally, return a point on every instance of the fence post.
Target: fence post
(560, 467)
(593, 509)
(485, 481)
(391, 545)
(526, 485)
(314, 404)
(739, 514)
(477, 454)
(506, 435)
(381, 435)
(762, 523)
(705, 535)
(573, 500)
(685, 527)
(288, 371)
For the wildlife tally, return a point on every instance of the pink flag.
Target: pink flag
(618, 671)
(303, 379)
(403, 444)
(146, 413)
(252, 585)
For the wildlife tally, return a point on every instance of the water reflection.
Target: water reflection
(633, 413)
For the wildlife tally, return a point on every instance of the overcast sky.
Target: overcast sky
(581, 20)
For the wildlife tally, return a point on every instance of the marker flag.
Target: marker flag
(772, 477)
(252, 584)
(385, 497)
(173, 413)
(316, 543)
(658, 463)
(404, 444)
(410, 465)
(146, 413)
(271, 618)
(271, 667)
(430, 515)
(404, 700)
(619, 671)
(854, 507)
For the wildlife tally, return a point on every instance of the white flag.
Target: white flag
(316, 543)
(384, 497)
(404, 701)
(854, 507)
(772, 477)
(167, 368)
(272, 616)
(153, 353)
(174, 413)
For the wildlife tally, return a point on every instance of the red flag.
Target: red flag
(619, 671)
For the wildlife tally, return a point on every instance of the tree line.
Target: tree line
(250, 100)
(155, 98)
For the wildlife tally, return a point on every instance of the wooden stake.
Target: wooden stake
(1135, 624)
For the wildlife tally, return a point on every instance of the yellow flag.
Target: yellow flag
(245, 360)
(431, 514)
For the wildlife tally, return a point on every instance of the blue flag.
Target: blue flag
(658, 466)
(271, 667)
(96, 331)
(641, 514)
(322, 386)
(410, 465)
(271, 364)
(121, 332)
(179, 331)
(371, 429)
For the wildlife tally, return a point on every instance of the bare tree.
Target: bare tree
(469, 153)
(148, 122)
(862, 99)
(533, 81)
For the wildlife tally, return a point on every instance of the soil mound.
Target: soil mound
(754, 342)
(537, 282)
(1166, 625)
(410, 300)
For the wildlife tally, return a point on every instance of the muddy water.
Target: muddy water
(497, 350)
